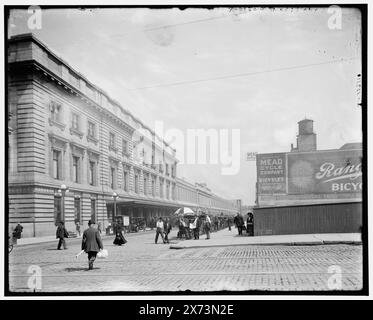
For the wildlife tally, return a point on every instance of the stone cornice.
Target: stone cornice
(31, 38)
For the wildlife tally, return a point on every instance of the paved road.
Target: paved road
(141, 266)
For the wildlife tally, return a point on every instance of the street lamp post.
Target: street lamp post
(115, 196)
(63, 190)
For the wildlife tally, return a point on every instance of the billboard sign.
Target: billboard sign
(271, 173)
(337, 171)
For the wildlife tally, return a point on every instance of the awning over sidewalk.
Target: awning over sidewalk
(132, 202)
(145, 203)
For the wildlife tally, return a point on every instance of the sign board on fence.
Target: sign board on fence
(271, 173)
(337, 171)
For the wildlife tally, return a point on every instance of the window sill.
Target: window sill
(92, 139)
(57, 124)
(76, 132)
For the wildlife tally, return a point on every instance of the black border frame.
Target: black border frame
(364, 291)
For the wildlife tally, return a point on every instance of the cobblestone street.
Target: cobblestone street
(142, 266)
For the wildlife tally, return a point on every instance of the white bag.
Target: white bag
(103, 254)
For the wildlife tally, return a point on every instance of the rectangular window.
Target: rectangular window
(93, 210)
(112, 178)
(57, 210)
(75, 121)
(136, 183)
(173, 191)
(167, 190)
(112, 140)
(77, 210)
(91, 173)
(56, 164)
(91, 130)
(167, 169)
(55, 110)
(125, 179)
(124, 146)
(75, 169)
(161, 187)
(153, 187)
(145, 185)
(173, 170)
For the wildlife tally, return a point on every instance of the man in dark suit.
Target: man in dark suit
(61, 234)
(167, 229)
(91, 243)
(238, 220)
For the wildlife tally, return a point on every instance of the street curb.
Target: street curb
(357, 242)
(69, 239)
(306, 243)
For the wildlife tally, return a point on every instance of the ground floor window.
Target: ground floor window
(57, 210)
(93, 209)
(77, 210)
(57, 164)
(136, 183)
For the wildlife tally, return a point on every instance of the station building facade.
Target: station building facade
(75, 154)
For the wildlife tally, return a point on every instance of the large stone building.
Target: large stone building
(74, 152)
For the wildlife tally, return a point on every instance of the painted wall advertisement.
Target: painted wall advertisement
(336, 171)
(271, 173)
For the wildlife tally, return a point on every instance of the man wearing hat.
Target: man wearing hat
(91, 243)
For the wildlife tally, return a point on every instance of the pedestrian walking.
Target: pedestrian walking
(91, 243)
(207, 227)
(250, 224)
(17, 233)
(159, 230)
(229, 224)
(197, 225)
(182, 229)
(238, 221)
(119, 236)
(216, 223)
(77, 227)
(61, 234)
(167, 229)
(187, 229)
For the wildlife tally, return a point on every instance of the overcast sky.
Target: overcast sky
(259, 71)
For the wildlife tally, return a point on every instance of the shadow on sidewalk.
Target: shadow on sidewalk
(80, 269)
